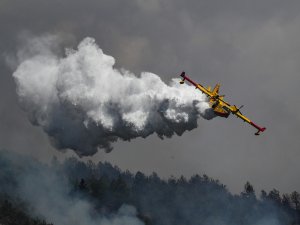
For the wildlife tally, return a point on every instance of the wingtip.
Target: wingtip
(260, 130)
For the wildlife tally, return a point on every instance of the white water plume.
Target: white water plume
(83, 103)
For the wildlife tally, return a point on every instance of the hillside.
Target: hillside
(89, 193)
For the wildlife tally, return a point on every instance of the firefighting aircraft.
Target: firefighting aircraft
(217, 103)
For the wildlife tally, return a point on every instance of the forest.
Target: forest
(77, 192)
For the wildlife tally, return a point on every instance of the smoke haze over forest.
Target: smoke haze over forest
(88, 193)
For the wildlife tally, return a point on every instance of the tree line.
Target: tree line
(199, 200)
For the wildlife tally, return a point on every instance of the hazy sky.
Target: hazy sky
(251, 47)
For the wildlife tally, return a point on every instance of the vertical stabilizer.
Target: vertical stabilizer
(216, 89)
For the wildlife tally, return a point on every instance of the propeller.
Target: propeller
(238, 109)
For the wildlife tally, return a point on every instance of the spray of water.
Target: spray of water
(83, 103)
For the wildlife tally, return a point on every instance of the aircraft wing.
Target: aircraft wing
(197, 86)
(236, 111)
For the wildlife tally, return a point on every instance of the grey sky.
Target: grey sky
(251, 47)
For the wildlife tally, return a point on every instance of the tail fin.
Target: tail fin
(216, 89)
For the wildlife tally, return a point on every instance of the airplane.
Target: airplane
(219, 105)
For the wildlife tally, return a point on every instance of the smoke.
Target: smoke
(46, 192)
(83, 103)
(52, 192)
